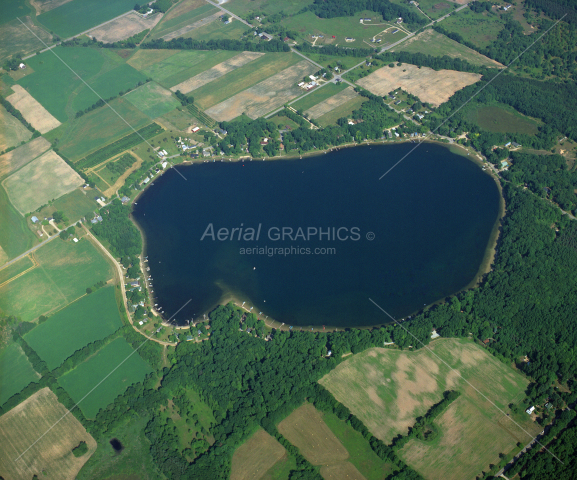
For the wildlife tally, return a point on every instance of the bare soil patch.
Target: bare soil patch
(51, 456)
(124, 27)
(17, 158)
(44, 179)
(264, 96)
(255, 456)
(199, 23)
(32, 110)
(216, 72)
(341, 471)
(306, 430)
(431, 86)
(331, 103)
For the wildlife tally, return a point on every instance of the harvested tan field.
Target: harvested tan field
(51, 456)
(199, 23)
(431, 86)
(42, 6)
(182, 8)
(331, 103)
(42, 180)
(216, 72)
(32, 110)
(124, 27)
(341, 471)
(17, 158)
(255, 456)
(265, 96)
(307, 431)
(12, 132)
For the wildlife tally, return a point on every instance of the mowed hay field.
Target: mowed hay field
(264, 96)
(436, 44)
(331, 103)
(42, 180)
(16, 38)
(202, 21)
(16, 371)
(501, 119)
(152, 100)
(75, 205)
(90, 318)
(64, 272)
(82, 379)
(183, 14)
(216, 72)
(32, 110)
(124, 27)
(318, 95)
(431, 86)
(255, 456)
(17, 158)
(343, 110)
(243, 78)
(15, 236)
(51, 456)
(387, 389)
(12, 132)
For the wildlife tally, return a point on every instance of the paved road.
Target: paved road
(19, 257)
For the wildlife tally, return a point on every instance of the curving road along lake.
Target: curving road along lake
(307, 242)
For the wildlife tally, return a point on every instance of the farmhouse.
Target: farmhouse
(22, 66)
(400, 20)
(195, 129)
(530, 410)
(34, 219)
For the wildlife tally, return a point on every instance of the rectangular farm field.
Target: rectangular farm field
(16, 372)
(318, 95)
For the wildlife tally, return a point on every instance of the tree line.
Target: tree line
(221, 44)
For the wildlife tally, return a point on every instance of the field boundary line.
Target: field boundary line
(94, 388)
(464, 379)
(34, 265)
(471, 98)
(92, 90)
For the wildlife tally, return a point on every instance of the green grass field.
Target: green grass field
(99, 128)
(217, 30)
(13, 8)
(432, 8)
(268, 7)
(13, 132)
(15, 38)
(62, 93)
(15, 236)
(75, 205)
(501, 119)
(92, 317)
(436, 44)
(319, 95)
(153, 100)
(282, 122)
(343, 110)
(165, 27)
(243, 78)
(185, 64)
(90, 373)
(361, 454)
(16, 372)
(66, 269)
(78, 16)
(478, 28)
(15, 269)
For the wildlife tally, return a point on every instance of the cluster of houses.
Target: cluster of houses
(512, 145)
(308, 86)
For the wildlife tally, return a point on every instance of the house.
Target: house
(400, 20)
(395, 31)
(75, 240)
(135, 283)
(188, 338)
(195, 129)
(349, 39)
(34, 219)
(125, 199)
(530, 410)
(21, 66)
(515, 144)
(164, 164)
(312, 77)
(548, 406)
(397, 102)
(146, 180)
(389, 134)
(504, 164)
(334, 36)
(507, 144)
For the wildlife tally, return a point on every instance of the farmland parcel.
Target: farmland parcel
(17, 158)
(32, 110)
(124, 27)
(84, 377)
(16, 372)
(152, 100)
(434, 87)
(388, 389)
(255, 456)
(331, 103)
(92, 317)
(12, 132)
(15, 236)
(20, 429)
(264, 96)
(42, 180)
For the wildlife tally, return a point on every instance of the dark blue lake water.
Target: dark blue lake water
(415, 236)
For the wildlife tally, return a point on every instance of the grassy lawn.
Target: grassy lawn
(153, 100)
(65, 270)
(16, 372)
(15, 236)
(185, 64)
(282, 122)
(164, 27)
(87, 375)
(92, 317)
(243, 78)
(478, 28)
(179, 118)
(80, 15)
(75, 205)
(501, 119)
(99, 128)
(268, 7)
(342, 111)
(319, 95)
(436, 44)
(62, 93)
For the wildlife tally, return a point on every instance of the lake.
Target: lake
(309, 241)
